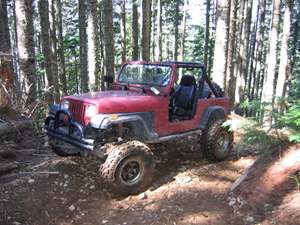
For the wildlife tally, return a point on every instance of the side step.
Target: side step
(174, 136)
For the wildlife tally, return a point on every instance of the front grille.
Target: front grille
(77, 109)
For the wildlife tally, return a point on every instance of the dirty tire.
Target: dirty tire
(216, 141)
(63, 152)
(128, 168)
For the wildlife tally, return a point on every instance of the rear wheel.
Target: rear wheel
(128, 168)
(216, 141)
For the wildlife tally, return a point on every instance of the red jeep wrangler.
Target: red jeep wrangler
(148, 103)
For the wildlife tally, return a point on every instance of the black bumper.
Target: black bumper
(60, 125)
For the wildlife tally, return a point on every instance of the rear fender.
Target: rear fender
(216, 112)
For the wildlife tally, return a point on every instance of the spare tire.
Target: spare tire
(218, 89)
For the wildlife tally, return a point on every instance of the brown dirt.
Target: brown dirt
(187, 189)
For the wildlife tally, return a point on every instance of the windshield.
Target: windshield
(155, 75)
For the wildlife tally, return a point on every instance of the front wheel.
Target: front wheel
(217, 141)
(128, 168)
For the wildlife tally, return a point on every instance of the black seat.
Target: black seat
(184, 96)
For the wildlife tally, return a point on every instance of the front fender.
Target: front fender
(142, 121)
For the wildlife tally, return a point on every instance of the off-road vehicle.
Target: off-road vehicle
(148, 103)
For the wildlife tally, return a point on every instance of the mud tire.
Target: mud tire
(216, 141)
(119, 157)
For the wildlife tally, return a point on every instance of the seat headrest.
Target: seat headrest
(187, 80)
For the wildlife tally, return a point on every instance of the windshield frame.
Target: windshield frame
(146, 84)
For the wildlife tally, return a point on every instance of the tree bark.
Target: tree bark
(146, 29)
(268, 86)
(135, 31)
(60, 47)
(93, 52)
(123, 30)
(109, 50)
(83, 46)
(283, 72)
(53, 44)
(47, 51)
(207, 19)
(25, 35)
(6, 56)
(220, 54)
(176, 34)
(159, 31)
(243, 52)
(231, 83)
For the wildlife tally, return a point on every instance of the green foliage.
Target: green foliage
(292, 119)
(296, 179)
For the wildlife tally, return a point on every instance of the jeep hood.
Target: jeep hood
(119, 101)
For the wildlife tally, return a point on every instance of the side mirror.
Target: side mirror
(108, 79)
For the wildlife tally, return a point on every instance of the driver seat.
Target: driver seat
(184, 96)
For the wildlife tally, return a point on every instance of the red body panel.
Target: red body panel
(134, 100)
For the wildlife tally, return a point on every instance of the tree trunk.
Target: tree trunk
(268, 86)
(83, 47)
(123, 30)
(25, 35)
(243, 52)
(109, 50)
(60, 47)
(135, 31)
(283, 66)
(182, 49)
(46, 49)
(53, 44)
(230, 87)
(93, 51)
(206, 33)
(176, 34)
(159, 32)
(6, 56)
(146, 29)
(220, 54)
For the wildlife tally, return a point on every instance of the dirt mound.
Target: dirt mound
(267, 185)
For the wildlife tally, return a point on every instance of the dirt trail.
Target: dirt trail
(47, 189)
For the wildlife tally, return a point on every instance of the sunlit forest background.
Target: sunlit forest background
(251, 48)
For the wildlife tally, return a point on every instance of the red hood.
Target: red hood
(119, 101)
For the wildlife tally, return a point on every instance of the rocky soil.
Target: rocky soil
(38, 187)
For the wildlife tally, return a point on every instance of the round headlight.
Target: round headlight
(90, 111)
(65, 104)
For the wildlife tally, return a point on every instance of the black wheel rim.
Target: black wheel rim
(131, 171)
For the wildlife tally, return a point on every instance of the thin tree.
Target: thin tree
(135, 31)
(283, 72)
(176, 33)
(159, 31)
(268, 86)
(47, 51)
(146, 29)
(83, 46)
(207, 19)
(109, 50)
(5, 44)
(220, 54)
(242, 60)
(93, 52)
(53, 45)
(123, 30)
(182, 47)
(25, 35)
(60, 47)
(231, 79)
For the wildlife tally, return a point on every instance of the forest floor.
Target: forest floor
(38, 187)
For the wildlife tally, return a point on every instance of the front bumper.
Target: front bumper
(61, 125)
